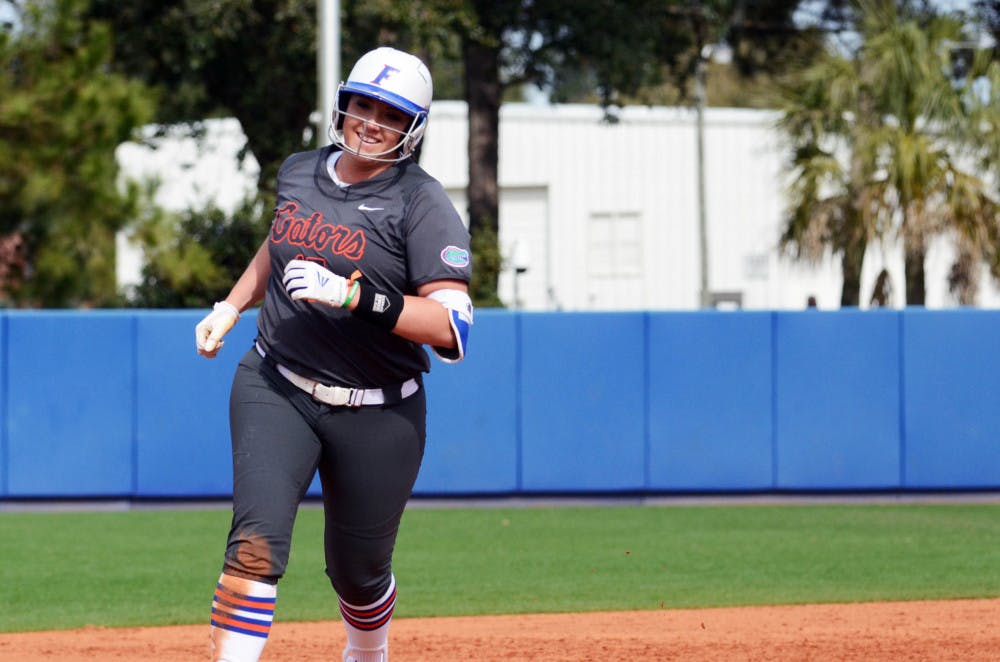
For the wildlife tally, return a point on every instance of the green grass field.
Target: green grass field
(158, 567)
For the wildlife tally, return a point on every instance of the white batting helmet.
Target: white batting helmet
(396, 78)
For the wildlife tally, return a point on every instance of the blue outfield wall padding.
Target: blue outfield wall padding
(710, 394)
(951, 377)
(3, 404)
(582, 401)
(183, 412)
(472, 414)
(837, 400)
(105, 404)
(69, 403)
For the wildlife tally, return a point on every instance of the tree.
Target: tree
(824, 118)
(876, 138)
(191, 256)
(62, 114)
(979, 241)
(984, 103)
(250, 59)
(637, 52)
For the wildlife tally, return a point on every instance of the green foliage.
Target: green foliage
(62, 114)
(426, 28)
(466, 561)
(486, 264)
(250, 59)
(193, 258)
(645, 52)
(876, 139)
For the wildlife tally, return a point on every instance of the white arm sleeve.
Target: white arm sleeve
(459, 307)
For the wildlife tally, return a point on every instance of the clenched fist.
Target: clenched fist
(308, 281)
(209, 332)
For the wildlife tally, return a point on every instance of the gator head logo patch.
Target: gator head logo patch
(454, 256)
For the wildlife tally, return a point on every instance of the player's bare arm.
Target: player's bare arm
(426, 321)
(249, 289)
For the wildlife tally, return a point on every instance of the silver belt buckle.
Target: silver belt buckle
(336, 396)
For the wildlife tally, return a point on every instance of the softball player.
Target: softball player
(366, 262)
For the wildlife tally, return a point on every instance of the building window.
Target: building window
(614, 245)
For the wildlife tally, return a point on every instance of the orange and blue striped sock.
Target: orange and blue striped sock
(368, 627)
(242, 612)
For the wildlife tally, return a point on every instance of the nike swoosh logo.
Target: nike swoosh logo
(364, 207)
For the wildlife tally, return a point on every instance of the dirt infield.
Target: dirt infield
(966, 630)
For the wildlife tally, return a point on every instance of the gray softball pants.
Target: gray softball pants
(368, 459)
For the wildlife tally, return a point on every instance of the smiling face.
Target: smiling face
(373, 128)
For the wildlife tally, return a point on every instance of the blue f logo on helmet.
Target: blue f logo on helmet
(385, 74)
(393, 77)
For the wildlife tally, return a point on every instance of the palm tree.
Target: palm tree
(893, 113)
(827, 198)
(983, 136)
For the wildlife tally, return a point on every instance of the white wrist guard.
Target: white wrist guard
(227, 307)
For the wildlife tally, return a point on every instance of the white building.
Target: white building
(605, 216)
(597, 216)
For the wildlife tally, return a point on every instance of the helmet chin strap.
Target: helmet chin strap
(337, 138)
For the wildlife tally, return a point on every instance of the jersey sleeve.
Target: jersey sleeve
(437, 243)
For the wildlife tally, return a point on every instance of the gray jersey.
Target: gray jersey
(399, 229)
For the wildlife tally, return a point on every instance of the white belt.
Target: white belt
(340, 396)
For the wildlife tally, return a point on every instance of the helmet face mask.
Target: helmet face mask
(393, 77)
